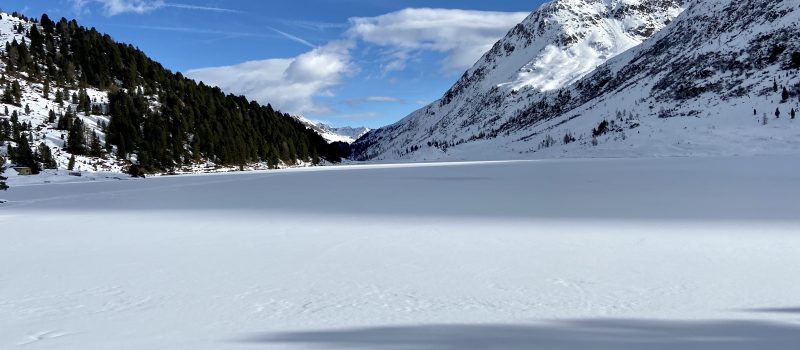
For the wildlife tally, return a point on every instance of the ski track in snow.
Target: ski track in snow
(693, 253)
(45, 335)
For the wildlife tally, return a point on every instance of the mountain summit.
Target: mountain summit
(557, 44)
(718, 78)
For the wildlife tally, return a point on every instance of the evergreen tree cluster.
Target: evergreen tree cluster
(163, 118)
(3, 185)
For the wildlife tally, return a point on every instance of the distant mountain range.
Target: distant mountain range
(345, 134)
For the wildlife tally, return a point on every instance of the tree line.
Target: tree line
(158, 119)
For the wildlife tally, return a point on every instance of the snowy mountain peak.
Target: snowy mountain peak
(582, 34)
(720, 79)
(556, 45)
(566, 39)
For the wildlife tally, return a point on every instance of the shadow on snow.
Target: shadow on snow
(577, 334)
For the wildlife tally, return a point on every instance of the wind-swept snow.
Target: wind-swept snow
(568, 254)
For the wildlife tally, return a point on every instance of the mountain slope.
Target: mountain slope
(722, 79)
(75, 98)
(556, 45)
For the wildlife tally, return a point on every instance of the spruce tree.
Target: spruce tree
(777, 112)
(3, 185)
(95, 149)
(71, 164)
(76, 138)
(46, 157)
(792, 113)
(24, 156)
(16, 90)
(8, 96)
(785, 95)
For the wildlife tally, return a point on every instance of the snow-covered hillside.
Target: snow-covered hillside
(345, 134)
(710, 83)
(56, 83)
(558, 43)
(34, 110)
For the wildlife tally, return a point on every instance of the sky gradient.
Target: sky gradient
(343, 62)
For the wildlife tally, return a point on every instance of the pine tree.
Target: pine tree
(777, 113)
(46, 89)
(3, 185)
(95, 150)
(16, 91)
(796, 59)
(46, 157)
(792, 113)
(76, 138)
(8, 95)
(71, 164)
(23, 155)
(60, 98)
(47, 24)
(785, 95)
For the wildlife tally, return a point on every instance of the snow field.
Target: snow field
(626, 254)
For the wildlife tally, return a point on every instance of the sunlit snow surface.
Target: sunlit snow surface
(679, 253)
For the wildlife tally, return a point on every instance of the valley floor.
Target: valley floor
(689, 253)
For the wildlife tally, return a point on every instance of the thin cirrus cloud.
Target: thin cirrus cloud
(117, 7)
(461, 35)
(294, 38)
(374, 99)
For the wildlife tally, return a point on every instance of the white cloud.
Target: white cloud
(292, 85)
(462, 34)
(288, 84)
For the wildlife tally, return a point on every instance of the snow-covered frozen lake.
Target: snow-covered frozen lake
(689, 253)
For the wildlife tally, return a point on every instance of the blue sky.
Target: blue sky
(344, 62)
